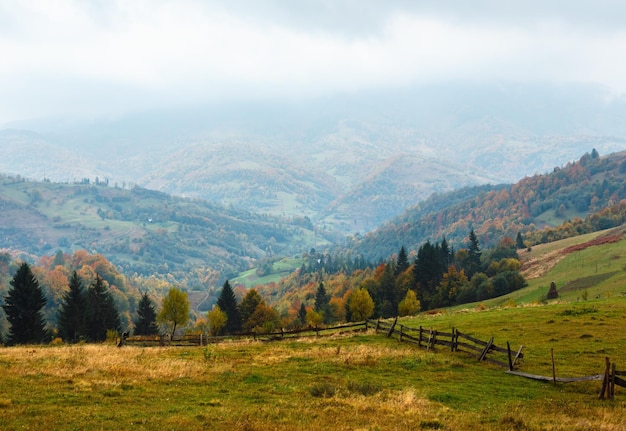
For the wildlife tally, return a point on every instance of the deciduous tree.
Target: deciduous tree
(216, 319)
(410, 305)
(175, 309)
(247, 306)
(361, 305)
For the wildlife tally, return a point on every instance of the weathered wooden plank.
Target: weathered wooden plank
(496, 362)
(472, 339)
(406, 336)
(620, 382)
(498, 349)
(485, 350)
(558, 379)
(392, 327)
(518, 355)
(468, 346)
(444, 334)
(443, 342)
(431, 340)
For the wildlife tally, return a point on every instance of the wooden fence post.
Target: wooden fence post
(508, 348)
(553, 367)
(393, 326)
(485, 350)
(605, 380)
(419, 340)
(612, 391)
(400, 339)
(431, 339)
(519, 353)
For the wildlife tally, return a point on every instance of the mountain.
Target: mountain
(592, 187)
(145, 232)
(349, 162)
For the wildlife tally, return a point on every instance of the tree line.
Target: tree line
(435, 275)
(84, 314)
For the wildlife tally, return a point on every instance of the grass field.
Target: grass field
(280, 268)
(358, 381)
(361, 381)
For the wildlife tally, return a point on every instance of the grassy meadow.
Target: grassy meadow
(357, 381)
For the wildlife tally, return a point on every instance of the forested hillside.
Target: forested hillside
(568, 194)
(191, 242)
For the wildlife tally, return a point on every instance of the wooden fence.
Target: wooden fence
(203, 340)
(610, 379)
(454, 340)
(457, 341)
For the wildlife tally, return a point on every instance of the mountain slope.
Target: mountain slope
(143, 231)
(533, 203)
(348, 162)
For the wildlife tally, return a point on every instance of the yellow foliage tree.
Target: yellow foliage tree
(361, 305)
(410, 305)
(216, 320)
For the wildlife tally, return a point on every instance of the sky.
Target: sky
(110, 57)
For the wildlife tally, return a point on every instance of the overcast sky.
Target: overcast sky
(101, 57)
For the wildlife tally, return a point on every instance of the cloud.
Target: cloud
(70, 56)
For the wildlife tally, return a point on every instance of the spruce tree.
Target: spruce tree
(402, 263)
(228, 304)
(146, 317)
(23, 307)
(519, 241)
(322, 303)
(102, 312)
(71, 322)
(302, 314)
(474, 255)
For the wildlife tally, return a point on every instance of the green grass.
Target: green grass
(361, 381)
(364, 381)
(280, 269)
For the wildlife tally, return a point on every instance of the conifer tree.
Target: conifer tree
(321, 298)
(402, 263)
(146, 317)
(228, 304)
(519, 241)
(322, 303)
(102, 312)
(302, 314)
(23, 307)
(71, 322)
(474, 255)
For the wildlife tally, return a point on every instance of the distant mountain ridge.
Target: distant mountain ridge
(349, 163)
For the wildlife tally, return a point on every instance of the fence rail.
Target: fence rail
(202, 340)
(454, 340)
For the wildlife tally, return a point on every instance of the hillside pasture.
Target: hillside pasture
(362, 381)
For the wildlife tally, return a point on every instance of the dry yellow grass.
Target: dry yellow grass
(360, 382)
